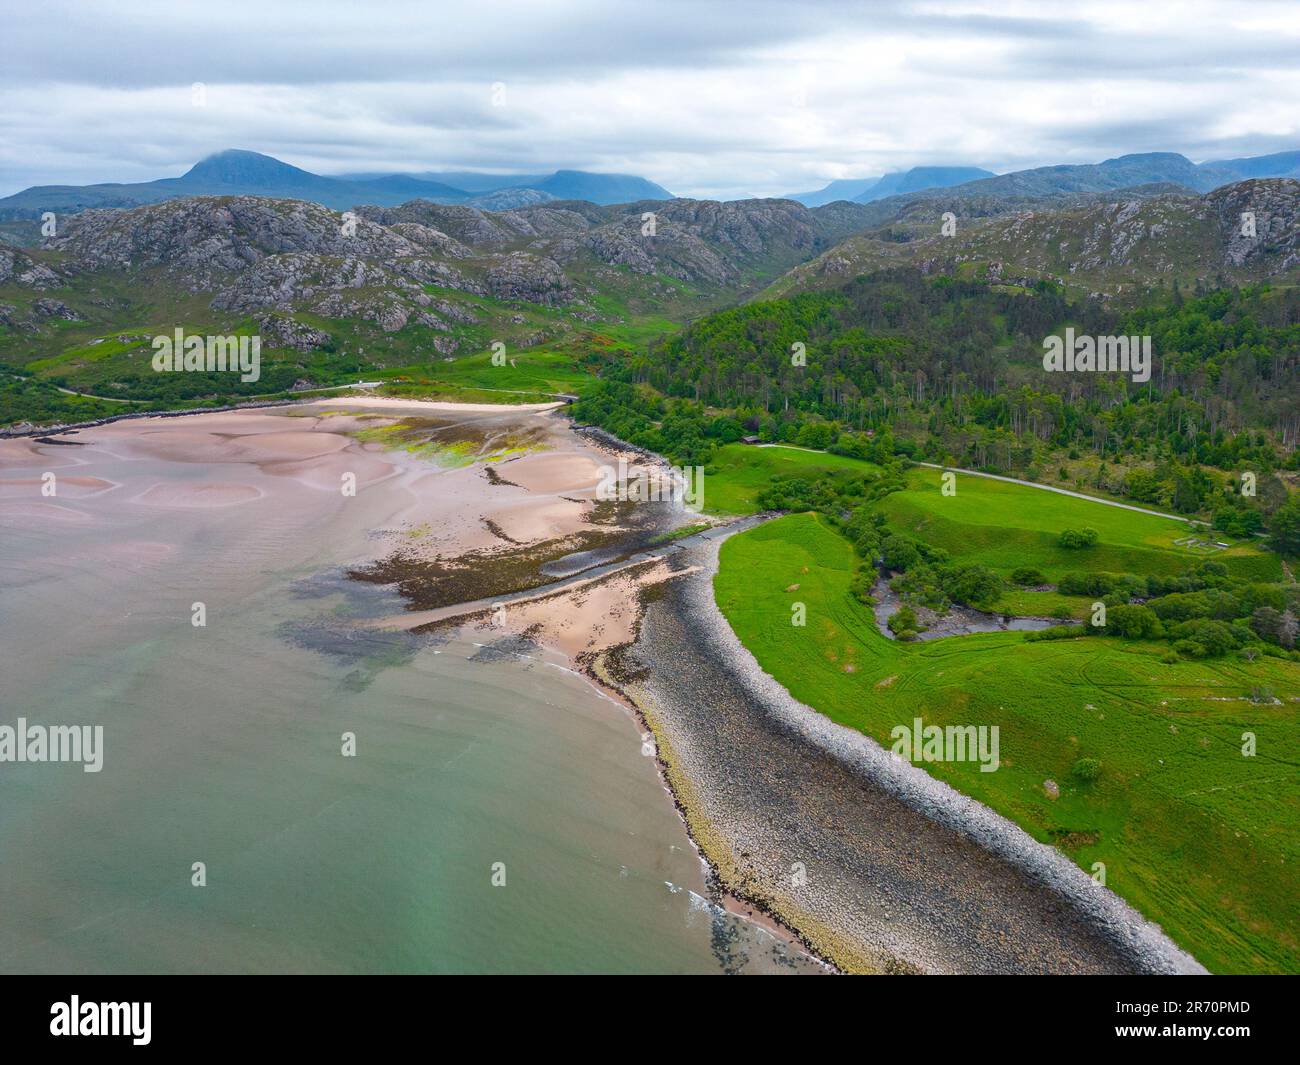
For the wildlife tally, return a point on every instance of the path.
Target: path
(1062, 491)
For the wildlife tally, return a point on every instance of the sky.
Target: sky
(709, 99)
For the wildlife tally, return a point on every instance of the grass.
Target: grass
(1195, 835)
(1005, 526)
(739, 472)
(1026, 604)
(535, 372)
(679, 533)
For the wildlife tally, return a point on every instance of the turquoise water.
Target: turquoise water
(223, 744)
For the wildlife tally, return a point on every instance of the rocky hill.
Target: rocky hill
(1148, 236)
(398, 265)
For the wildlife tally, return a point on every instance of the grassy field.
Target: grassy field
(1195, 835)
(1005, 526)
(739, 472)
(535, 372)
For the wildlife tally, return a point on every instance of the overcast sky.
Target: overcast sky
(717, 99)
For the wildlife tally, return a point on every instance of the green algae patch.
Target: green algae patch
(453, 445)
(427, 584)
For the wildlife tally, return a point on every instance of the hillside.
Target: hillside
(1145, 240)
(386, 286)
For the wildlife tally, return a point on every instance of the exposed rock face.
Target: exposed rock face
(253, 254)
(433, 240)
(508, 199)
(17, 267)
(521, 276)
(1104, 243)
(48, 308)
(1274, 207)
(280, 332)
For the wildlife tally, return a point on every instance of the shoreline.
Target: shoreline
(1100, 933)
(8, 432)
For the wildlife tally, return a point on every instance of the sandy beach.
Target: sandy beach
(483, 523)
(481, 739)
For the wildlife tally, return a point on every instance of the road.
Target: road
(1064, 492)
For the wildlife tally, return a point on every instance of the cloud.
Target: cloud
(707, 98)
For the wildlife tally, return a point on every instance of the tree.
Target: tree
(899, 553)
(1133, 622)
(1284, 528)
(1286, 630)
(1267, 623)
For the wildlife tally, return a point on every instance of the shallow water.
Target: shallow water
(222, 745)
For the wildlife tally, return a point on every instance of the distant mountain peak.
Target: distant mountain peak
(237, 166)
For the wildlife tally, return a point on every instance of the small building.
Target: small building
(749, 440)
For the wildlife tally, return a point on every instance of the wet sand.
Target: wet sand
(476, 743)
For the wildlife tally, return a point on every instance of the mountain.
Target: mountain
(600, 188)
(868, 190)
(919, 178)
(844, 189)
(476, 182)
(1100, 245)
(242, 173)
(1280, 164)
(436, 273)
(514, 190)
(229, 173)
(1123, 172)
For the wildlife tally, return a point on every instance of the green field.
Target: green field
(739, 472)
(1005, 526)
(1195, 835)
(525, 376)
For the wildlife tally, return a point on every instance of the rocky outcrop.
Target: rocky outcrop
(1273, 209)
(19, 268)
(278, 331)
(521, 276)
(51, 308)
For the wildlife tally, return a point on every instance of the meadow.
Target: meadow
(1007, 526)
(1196, 835)
(739, 472)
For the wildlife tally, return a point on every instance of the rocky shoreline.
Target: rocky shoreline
(872, 863)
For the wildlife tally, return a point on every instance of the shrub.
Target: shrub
(1086, 584)
(861, 586)
(899, 553)
(1202, 638)
(972, 584)
(904, 621)
(1026, 577)
(1057, 632)
(1086, 769)
(1077, 538)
